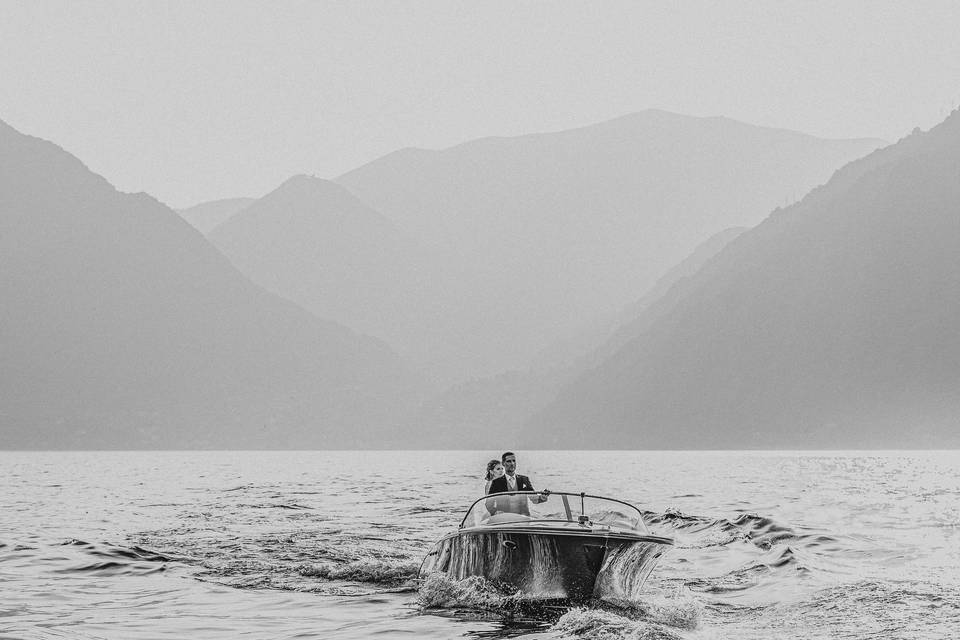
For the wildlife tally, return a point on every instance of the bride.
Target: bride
(494, 471)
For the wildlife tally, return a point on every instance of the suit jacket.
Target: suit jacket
(508, 504)
(499, 485)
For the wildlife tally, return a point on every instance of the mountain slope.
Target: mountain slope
(602, 336)
(831, 324)
(562, 227)
(497, 406)
(314, 243)
(124, 328)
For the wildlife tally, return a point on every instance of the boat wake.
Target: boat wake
(607, 625)
(748, 565)
(440, 591)
(657, 617)
(391, 573)
(325, 558)
(80, 557)
(745, 562)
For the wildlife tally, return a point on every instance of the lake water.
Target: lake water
(327, 545)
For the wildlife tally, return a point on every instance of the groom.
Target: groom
(513, 481)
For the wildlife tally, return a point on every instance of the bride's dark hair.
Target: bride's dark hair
(490, 466)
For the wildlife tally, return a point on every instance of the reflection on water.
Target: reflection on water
(327, 544)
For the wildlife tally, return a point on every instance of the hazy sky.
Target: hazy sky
(194, 101)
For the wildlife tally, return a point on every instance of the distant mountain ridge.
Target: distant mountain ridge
(829, 325)
(557, 228)
(206, 216)
(124, 328)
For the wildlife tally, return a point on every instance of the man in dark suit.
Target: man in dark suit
(512, 481)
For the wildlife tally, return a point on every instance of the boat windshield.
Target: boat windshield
(554, 506)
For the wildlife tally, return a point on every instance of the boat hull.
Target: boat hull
(548, 565)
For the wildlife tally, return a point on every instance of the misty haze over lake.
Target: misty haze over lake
(650, 279)
(628, 284)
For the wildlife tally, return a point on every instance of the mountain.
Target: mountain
(314, 243)
(595, 341)
(830, 325)
(558, 228)
(206, 216)
(497, 406)
(124, 328)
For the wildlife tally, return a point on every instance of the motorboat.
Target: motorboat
(551, 546)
